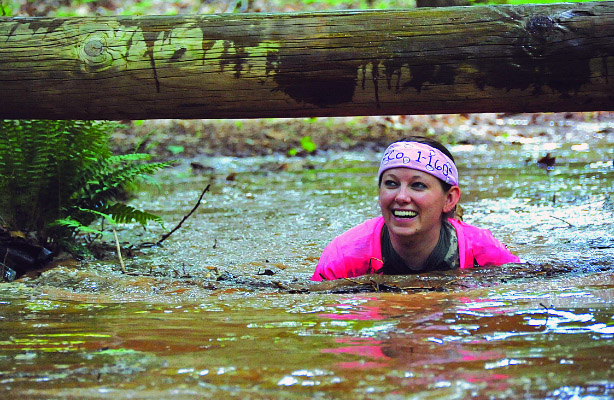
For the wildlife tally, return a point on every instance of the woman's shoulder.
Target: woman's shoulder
(349, 254)
(468, 229)
(361, 242)
(363, 230)
(480, 244)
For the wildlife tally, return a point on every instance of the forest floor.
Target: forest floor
(167, 139)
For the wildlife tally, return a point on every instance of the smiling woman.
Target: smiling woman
(418, 194)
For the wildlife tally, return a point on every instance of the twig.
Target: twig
(280, 285)
(184, 218)
(427, 288)
(355, 282)
(119, 252)
(561, 219)
(547, 315)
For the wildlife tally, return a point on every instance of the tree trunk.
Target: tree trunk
(441, 3)
(528, 58)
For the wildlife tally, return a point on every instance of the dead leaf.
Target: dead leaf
(546, 161)
(17, 234)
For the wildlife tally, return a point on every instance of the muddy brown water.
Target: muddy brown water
(225, 309)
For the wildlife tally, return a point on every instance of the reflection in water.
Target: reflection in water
(200, 317)
(503, 340)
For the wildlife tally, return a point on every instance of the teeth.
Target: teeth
(405, 214)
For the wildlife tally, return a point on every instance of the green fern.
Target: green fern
(123, 214)
(58, 177)
(74, 225)
(116, 213)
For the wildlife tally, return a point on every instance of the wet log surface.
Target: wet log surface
(526, 58)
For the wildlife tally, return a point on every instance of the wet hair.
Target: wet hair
(435, 144)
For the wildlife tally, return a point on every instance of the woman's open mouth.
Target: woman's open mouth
(404, 213)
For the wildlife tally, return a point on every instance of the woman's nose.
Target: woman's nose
(403, 196)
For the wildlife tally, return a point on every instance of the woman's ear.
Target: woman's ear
(452, 198)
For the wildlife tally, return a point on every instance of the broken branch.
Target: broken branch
(164, 237)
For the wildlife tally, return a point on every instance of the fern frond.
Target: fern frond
(123, 213)
(106, 179)
(116, 213)
(57, 177)
(73, 225)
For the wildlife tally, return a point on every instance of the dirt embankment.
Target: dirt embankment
(188, 138)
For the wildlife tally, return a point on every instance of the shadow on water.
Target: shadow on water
(225, 307)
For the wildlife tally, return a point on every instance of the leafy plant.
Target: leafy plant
(175, 149)
(307, 145)
(58, 177)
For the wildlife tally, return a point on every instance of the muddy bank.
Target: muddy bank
(75, 281)
(257, 137)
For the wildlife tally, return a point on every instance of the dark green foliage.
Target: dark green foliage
(58, 177)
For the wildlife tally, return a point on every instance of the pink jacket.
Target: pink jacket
(358, 251)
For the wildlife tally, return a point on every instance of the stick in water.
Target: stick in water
(186, 217)
(119, 252)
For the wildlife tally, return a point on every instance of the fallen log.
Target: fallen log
(528, 58)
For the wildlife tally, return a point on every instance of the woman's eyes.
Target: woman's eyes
(414, 185)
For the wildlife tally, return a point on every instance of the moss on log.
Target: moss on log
(454, 60)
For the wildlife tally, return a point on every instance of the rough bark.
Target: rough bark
(441, 3)
(453, 60)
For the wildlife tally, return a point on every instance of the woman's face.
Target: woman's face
(412, 203)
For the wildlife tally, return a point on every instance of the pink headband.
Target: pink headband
(421, 157)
